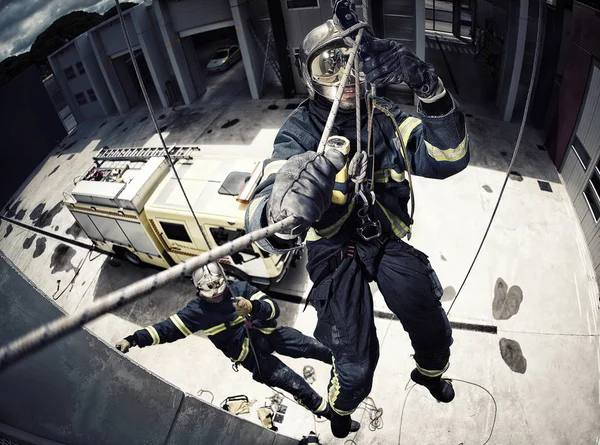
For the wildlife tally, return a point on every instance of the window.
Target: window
(69, 73)
(302, 4)
(592, 201)
(175, 232)
(222, 236)
(80, 68)
(92, 95)
(80, 98)
(581, 153)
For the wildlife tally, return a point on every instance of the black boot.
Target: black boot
(441, 389)
(341, 426)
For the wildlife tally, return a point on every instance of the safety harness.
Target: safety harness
(358, 167)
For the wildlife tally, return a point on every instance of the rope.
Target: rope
(338, 96)
(53, 331)
(456, 380)
(534, 70)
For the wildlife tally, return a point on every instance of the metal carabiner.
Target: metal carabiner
(369, 229)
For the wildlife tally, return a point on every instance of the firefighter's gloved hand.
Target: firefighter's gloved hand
(303, 188)
(242, 306)
(123, 346)
(387, 62)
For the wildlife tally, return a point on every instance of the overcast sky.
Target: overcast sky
(22, 20)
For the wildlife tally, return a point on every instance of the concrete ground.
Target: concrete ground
(535, 381)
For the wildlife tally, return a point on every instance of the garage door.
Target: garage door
(581, 169)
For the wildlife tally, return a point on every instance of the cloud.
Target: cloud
(22, 21)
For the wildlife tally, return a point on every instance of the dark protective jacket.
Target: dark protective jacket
(219, 321)
(437, 147)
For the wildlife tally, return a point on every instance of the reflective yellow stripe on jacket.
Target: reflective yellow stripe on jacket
(215, 329)
(180, 325)
(330, 231)
(449, 154)
(398, 227)
(389, 174)
(154, 335)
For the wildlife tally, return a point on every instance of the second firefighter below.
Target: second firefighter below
(343, 257)
(222, 315)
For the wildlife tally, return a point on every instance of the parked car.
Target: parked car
(224, 58)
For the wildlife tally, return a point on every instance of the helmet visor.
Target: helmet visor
(327, 66)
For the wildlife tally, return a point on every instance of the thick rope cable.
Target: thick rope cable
(157, 127)
(53, 331)
(343, 81)
(534, 70)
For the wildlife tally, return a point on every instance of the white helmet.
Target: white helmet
(209, 281)
(322, 58)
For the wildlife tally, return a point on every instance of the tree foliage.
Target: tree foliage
(63, 30)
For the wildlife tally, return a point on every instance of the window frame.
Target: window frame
(92, 96)
(80, 68)
(68, 70)
(81, 99)
(165, 231)
(299, 8)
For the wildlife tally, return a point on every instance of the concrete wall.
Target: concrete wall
(104, 105)
(111, 36)
(30, 129)
(189, 14)
(81, 391)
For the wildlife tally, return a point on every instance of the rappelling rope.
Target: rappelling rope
(538, 44)
(50, 332)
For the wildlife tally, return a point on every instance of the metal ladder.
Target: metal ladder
(268, 52)
(137, 154)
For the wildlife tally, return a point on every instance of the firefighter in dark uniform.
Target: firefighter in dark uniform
(221, 312)
(342, 260)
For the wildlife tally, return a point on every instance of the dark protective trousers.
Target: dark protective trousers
(273, 372)
(344, 304)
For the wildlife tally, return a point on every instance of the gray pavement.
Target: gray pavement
(538, 376)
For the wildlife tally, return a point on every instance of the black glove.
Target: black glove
(303, 188)
(386, 62)
(344, 15)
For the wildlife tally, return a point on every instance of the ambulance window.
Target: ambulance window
(222, 236)
(175, 232)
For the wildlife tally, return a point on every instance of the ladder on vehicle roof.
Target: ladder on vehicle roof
(143, 153)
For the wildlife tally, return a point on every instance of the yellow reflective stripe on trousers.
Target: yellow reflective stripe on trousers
(266, 330)
(154, 335)
(215, 329)
(433, 372)
(244, 352)
(272, 168)
(407, 127)
(449, 154)
(334, 392)
(398, 227)
(254, 205)
(322, 407)
(180, 325)
(383, 176)
(328, 232)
